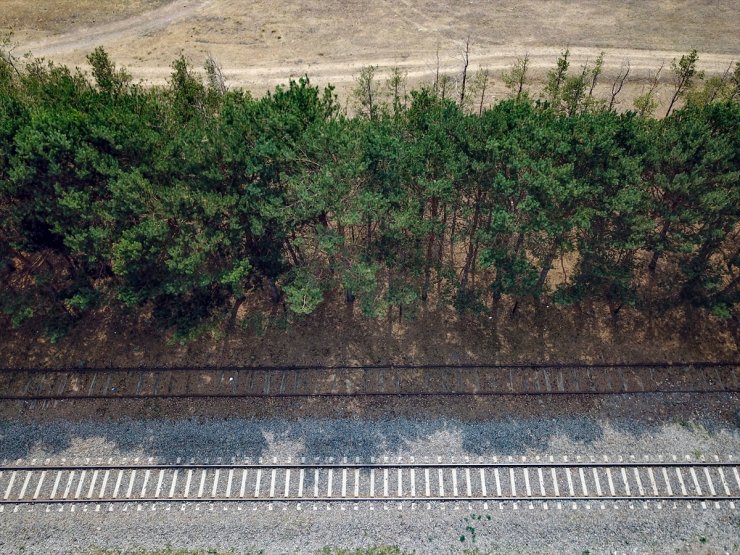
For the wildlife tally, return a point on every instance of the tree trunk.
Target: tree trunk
(234, 312)
(730, 286)
(489, 219)
(430, 253)
(440, 248)
(275, 294)
(614, 311)
(471, 247)
(452, 238)
(519, 244)
(466, 57)
(292, 252)
(514, 309)
(51, 288)
(701, 259)
(546, 267)
(656, 254)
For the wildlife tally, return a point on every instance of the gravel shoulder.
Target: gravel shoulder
(525, 530)
(616, 429)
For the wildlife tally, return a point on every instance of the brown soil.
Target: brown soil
(647, 409)
(337, 334)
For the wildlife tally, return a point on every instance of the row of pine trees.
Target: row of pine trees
(187, 199)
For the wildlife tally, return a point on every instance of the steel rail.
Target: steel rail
(348, 499)
(380, 466)
(524, 393)
(390, 366)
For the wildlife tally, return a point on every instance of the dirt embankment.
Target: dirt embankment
(337, 334)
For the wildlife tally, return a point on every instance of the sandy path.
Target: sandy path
(422, 65)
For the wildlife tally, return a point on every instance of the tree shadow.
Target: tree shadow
(403, 430)
(339, 438)
(519, 437)
(165, 440)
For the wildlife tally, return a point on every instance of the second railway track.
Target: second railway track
(314, 381)
(503, 481)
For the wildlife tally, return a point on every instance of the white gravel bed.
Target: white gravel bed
(615, 529)
(285, 529)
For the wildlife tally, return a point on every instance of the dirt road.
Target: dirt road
(261, 45)
(87, 38)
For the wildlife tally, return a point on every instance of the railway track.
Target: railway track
(356, 482)
(408, 380)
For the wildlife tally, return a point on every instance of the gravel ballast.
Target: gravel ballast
(282, 528)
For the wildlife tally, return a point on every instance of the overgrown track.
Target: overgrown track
(405, 380)
(360, 482)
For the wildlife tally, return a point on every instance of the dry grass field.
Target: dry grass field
(57, 16)
(261, 43)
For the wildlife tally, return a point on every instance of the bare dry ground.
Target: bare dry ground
(261, 43)
(337, 334)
